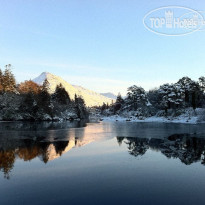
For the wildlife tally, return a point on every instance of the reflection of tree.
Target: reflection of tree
(45, 140)
(7, 159)
(137, 147)
(27, 150)
(187, 148)
(60, 146)
(120, 140)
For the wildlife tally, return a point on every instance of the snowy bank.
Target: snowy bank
(193, 120)
(189, 116)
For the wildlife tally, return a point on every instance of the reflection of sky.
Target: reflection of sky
(104, 173)
(100, 45)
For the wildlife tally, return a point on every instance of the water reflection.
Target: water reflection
(36, 126)
(186, 147)
(49, 141)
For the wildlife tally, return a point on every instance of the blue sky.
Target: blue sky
(99, 44)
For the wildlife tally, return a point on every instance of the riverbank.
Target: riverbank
(193, 120)
(189, 117)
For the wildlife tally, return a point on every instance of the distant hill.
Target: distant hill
(109, 95)
(91, 98)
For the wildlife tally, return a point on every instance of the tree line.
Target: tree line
(30, 101)
(174, 97)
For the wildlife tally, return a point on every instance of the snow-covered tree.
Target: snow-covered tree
(154, 98)
(202, 87)
(185, 84)
(171, 96)
(202, 83)
(119, 99)
(136, 97)
(196, 93)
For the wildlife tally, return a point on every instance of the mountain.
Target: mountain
(91, 98)
(109, 95)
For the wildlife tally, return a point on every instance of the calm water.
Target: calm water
(102, 163)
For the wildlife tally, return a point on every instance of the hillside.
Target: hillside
(91, 98)
(109, 95)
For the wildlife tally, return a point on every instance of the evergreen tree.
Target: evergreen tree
(154, 98)
(8, 80)
(81, 101)
(103, 107)
(44, 99)
(29, 106)
(202, 83)
(80, 107)
(185, 84)
(119, 102)
(196, 94)
(61, 95)
(119, 99)
(171, 96)
(76, 99)
(46, 86)
(1, 81)
(136, 97)
(202, 87)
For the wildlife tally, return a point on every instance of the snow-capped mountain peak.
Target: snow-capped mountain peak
(40, 79)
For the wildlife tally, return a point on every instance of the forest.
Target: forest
(186, 96)
(29, 101)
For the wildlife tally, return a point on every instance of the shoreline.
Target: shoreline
(179, 120)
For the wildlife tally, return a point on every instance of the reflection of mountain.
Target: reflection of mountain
(187, 148)
(56, 149)
(28, 149)
(47, 141)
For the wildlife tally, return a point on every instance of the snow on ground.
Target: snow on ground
(192, 120)
(189, 116)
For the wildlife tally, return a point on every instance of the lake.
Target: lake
(102, 163)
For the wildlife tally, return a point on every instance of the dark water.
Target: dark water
(102, 163)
